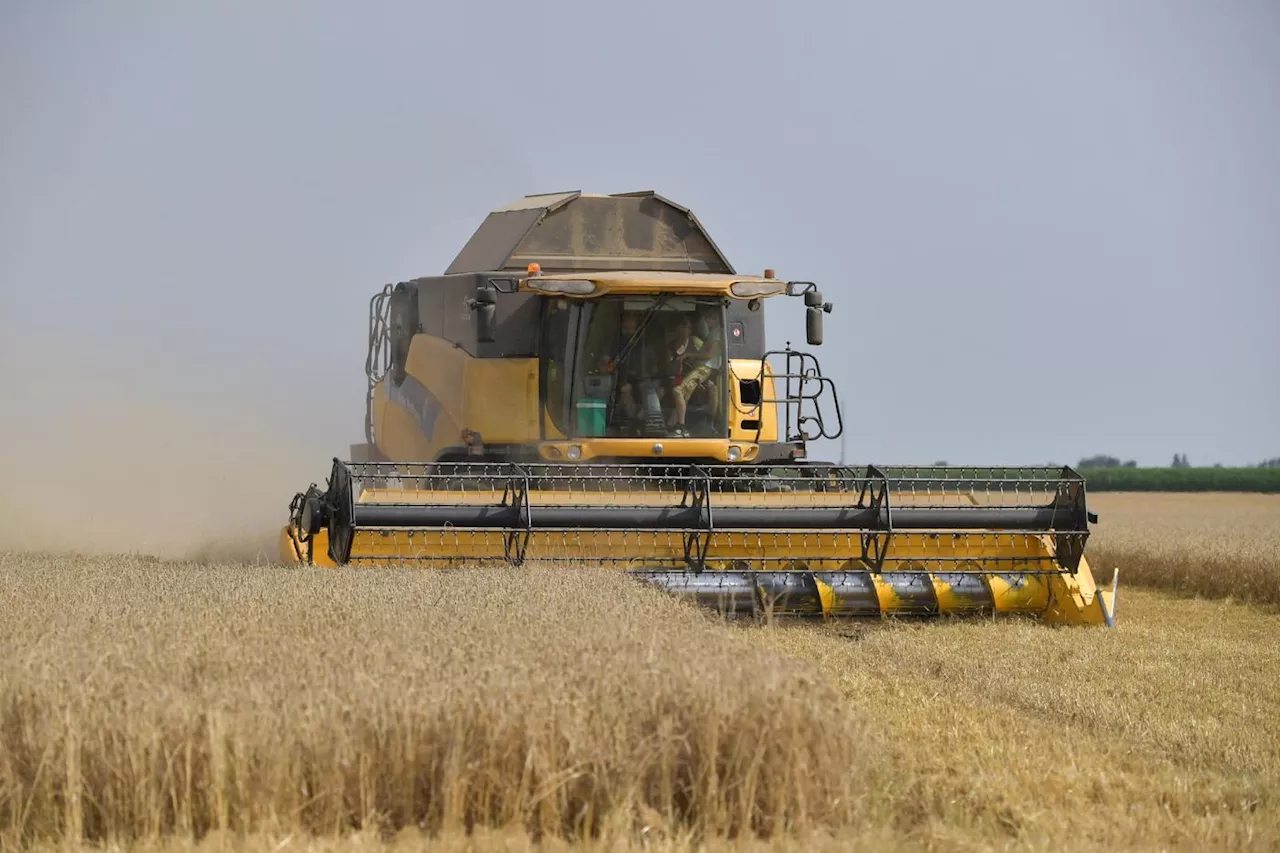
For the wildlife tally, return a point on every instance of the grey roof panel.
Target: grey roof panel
(491, 245)
(570, 231)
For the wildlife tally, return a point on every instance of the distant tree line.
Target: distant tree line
(1109, 473)
(1102, 460)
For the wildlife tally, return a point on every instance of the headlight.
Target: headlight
(735, 453)
(575, 452)
(575, 287)
(748, 289)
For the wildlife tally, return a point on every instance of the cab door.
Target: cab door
(558, 342)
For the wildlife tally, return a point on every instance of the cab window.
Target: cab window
(557, 328)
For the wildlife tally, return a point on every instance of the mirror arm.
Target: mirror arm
(504, 285)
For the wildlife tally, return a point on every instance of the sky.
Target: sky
(1050, 230)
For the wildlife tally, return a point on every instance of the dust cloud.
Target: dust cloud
(97, 468)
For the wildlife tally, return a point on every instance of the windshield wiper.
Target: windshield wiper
(625, 352)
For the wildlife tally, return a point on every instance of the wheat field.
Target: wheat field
(198, 704)
(1216, 545)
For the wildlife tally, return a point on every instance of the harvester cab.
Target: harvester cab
(588, 382)
(590, 329)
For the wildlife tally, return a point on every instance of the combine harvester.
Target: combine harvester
(589, 382)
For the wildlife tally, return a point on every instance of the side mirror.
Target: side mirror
(814, 309)
(486, 308)
(813, 326)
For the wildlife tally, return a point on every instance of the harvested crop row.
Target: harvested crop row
(139, 699)
(1159, 734)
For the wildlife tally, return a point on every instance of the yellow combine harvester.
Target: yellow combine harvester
(589, 381)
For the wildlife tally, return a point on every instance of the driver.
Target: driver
(704, 351)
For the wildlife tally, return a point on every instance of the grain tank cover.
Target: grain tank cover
(570, 231)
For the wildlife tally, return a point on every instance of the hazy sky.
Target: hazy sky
(1049, 229)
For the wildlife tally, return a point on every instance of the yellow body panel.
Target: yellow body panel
(448, 391)
(746, 369)
(650, 448)
(501, 399)
(423, 415)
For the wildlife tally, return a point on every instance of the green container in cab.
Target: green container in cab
(590, 417)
